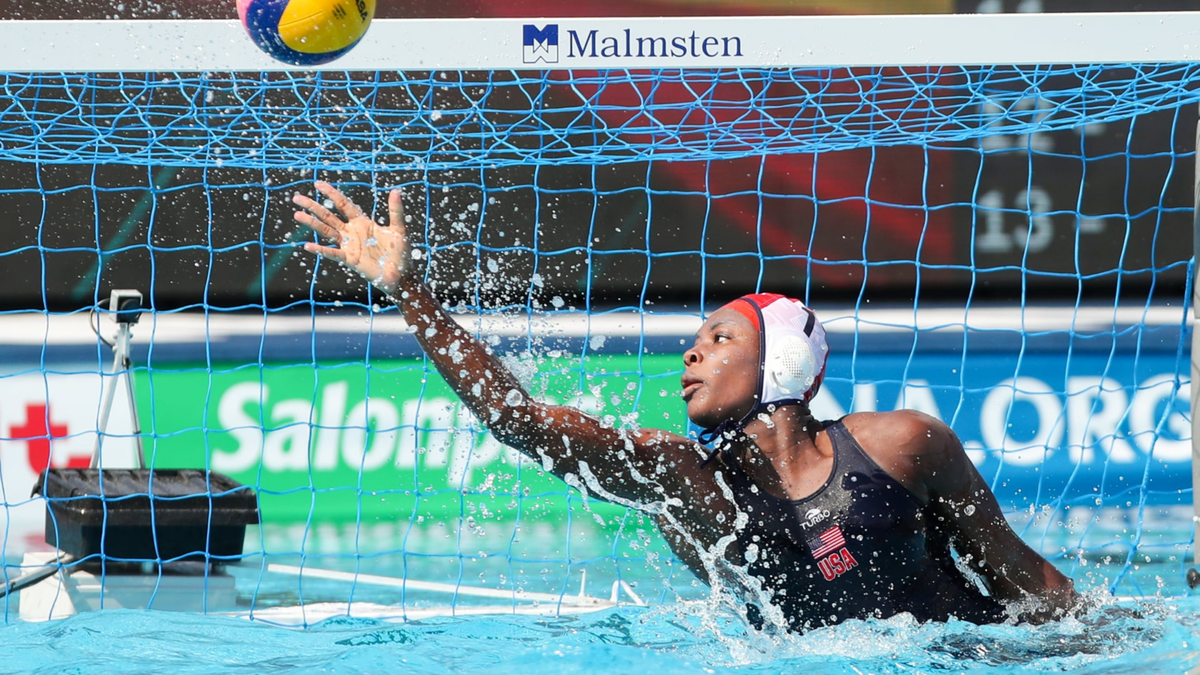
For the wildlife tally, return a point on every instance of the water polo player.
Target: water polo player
(854, 518)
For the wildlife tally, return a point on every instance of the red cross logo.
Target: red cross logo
(38, 432)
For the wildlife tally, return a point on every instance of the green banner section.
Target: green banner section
(389, 441)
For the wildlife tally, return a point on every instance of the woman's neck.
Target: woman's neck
(775, 444)
(780, 431)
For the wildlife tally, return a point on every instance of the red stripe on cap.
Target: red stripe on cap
(759, 300)
(745, 310)
(763, 299)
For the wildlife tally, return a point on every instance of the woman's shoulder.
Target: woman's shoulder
(905, 432)
(897, 424)
(902, 442)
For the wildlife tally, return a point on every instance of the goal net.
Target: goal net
(1002, 246)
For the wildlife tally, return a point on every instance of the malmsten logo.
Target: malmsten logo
(542, 44)
(831, 564)
(539, 44)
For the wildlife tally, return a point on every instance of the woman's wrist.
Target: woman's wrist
(404, 289)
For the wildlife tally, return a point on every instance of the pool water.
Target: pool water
(682, 629)
(1156, 636)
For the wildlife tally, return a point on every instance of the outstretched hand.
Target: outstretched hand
(379, 253)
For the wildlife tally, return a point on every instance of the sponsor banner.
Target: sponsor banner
(390, 442)
(550, 45)
(1092, 428)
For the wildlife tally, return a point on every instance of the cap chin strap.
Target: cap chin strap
(723, 432)
(726, 431)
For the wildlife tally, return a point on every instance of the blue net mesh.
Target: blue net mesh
(997, 246)
(486, 119)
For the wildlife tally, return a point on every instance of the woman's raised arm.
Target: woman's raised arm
(641, 466)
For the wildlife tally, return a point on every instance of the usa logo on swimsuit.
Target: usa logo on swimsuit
(832, 565)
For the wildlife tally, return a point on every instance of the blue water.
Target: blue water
(1164, 637)
(682, 631)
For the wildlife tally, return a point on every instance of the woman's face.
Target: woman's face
(720, 377)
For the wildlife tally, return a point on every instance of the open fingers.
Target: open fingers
(340, 201)
(315, 224)
(326, 251)
(329, 218)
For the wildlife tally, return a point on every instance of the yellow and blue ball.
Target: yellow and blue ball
(306, 32)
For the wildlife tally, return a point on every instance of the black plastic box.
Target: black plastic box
(191, 514)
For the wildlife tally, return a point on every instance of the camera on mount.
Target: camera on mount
(111, 518)
(126, 306)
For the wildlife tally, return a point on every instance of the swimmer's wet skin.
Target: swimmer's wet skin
(833, 520)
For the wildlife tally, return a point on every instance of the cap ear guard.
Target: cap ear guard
(791, 365)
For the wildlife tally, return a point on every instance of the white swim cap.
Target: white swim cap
(792, 348)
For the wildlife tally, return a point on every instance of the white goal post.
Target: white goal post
(1195, 359)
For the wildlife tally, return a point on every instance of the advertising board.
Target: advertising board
(390, 441)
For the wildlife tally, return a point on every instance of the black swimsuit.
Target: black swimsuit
(861, 546)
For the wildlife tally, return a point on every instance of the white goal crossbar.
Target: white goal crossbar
(605, 43)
